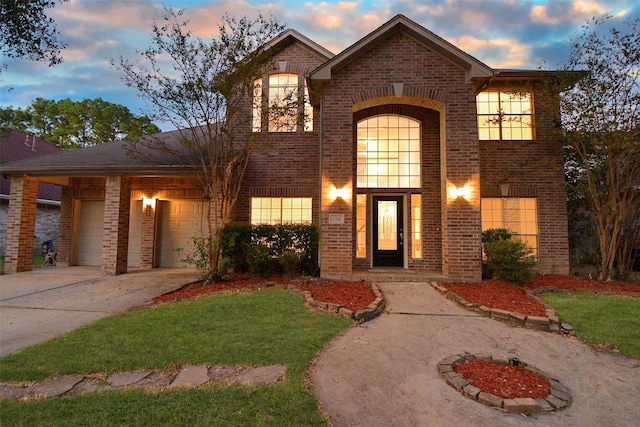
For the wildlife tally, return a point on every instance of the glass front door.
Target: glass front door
(388, 237)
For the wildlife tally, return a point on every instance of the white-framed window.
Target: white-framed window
(283, 109)
(388, 148)
(257, 106)
(361, 226)
(504, 116)
(283, 102)
(278, 210)
(416, 226)
(517, 214)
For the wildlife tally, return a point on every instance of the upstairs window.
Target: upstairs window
(284, 109)
(283, 102)
(504, 116)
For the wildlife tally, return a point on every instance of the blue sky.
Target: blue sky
(501, 33)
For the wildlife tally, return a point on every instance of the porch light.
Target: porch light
(460, 192)
(148, 204)
(339, 193)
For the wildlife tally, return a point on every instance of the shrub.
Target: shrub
(291, 263)
(259, 260)
(197, 255)
(510, 260)
(300, 239)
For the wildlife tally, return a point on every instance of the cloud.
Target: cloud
(496, 53)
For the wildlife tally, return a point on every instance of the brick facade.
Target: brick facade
(21, 224)
(400, 69)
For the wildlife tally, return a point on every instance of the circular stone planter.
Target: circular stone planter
(558, 398)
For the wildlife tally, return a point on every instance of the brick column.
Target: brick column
(66, 226)
(21, 224)
(148, 235)
(115, 243)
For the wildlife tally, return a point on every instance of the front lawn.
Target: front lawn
(255, 328)
(609, 320)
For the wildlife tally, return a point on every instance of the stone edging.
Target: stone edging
(550, 322)
(374, 309)
(558, 398)
(189, 376)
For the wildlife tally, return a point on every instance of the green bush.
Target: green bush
(197, 255)
(510, 260)
(259, 260)
(300, 239)
(291, 263)
(236, 240)
(494, 234)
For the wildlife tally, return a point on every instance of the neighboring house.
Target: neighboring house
(404, 163)
(16, 145)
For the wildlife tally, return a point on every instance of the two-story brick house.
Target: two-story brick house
(412, 147)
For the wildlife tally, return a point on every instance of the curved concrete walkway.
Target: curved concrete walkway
(385, 372)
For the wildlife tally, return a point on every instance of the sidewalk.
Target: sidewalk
(385, 372)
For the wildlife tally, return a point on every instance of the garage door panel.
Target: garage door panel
(135, 233)
(90, 232)
(180, 222)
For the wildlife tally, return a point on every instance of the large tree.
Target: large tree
(204, 89)
(27, 32)
(72, 124)
(600, 116)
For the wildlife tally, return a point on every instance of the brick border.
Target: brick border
(374, 309)
(550, 322)
(558, 398)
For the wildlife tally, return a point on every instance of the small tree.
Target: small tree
(600, 116)
(205, 90)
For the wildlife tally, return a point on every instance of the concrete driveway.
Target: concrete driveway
(38, 305)
(384, 372)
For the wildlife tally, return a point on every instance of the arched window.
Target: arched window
(388, 152)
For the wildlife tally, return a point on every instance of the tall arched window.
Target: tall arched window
(388, 152)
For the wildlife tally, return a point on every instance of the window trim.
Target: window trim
(505, 117)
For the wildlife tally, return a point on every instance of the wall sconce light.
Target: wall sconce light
(148, 205)
(460, 192)
(339, 193)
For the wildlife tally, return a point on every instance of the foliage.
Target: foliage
(507, 257)
(204, 89)
(600, 131)
(258, 328)
(259, 260)
(236, 240)
(291, 263)
(73, 124)
(299, 239)
(27, 32)
(495, 234)
(197, 255)
(601, 319)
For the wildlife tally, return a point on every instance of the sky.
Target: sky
(520, 34)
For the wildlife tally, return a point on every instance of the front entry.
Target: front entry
(388, 237)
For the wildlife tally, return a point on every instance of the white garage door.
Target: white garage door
(135, 233)
(179, 221)
(90, 230)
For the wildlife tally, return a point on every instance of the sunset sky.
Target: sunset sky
(501, 33)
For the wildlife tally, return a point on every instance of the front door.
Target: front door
(388, 237)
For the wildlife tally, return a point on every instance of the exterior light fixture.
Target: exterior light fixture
(148, 205)
(460, 192)
(339, 193)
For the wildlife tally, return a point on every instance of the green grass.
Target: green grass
(601, 319)
(257, 328)
(37, 261)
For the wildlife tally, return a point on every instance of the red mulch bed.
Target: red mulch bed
(352, 295)
(498, 294)
(508, 382)
(502, 295)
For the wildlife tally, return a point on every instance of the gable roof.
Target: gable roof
(290, 36)
(473, 67)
